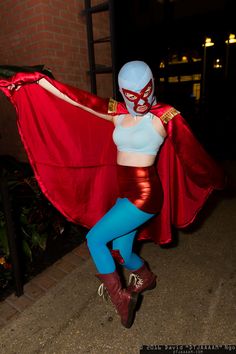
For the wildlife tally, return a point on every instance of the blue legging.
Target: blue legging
(119, 225)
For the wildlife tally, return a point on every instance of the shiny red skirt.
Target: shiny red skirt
(142, 186)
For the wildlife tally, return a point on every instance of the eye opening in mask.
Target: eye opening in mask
(147, 91)
(130, 96)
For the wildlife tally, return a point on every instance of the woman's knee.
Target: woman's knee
(92, 239)
(96, 238)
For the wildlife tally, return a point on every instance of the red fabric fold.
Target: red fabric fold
(74, 158)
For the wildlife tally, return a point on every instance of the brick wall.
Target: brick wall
(102, 50)
(50, 32)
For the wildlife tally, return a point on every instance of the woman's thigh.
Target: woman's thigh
(121, 219)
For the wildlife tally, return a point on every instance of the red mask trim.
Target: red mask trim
(143, 95)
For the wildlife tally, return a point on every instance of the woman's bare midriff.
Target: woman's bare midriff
(134, 159)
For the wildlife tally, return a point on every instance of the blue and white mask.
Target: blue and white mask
(136, 85)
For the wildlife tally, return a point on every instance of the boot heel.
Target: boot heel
(152, 286)
(131, 310)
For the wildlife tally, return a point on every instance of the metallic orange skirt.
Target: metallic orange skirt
(142, 186)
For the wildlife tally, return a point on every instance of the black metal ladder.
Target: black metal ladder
(94, 68)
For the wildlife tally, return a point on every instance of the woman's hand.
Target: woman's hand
(14, 87)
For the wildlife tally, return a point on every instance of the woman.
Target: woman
(139, 133)
(138, 136)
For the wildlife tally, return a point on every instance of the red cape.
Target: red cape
(74, 158)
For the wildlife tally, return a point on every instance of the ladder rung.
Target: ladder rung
(98, 8)
(101, 69)
(102, 40)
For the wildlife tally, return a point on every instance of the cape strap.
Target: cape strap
(112, 106)
(168, 115)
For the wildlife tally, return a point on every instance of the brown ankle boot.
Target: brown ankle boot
(141, 280)
(123, 300)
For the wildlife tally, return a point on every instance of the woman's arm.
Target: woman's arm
(159, 126)
(49, 87)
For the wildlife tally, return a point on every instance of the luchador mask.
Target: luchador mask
(136, 85)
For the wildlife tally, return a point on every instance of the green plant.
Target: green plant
(3, 236)
(37, 219)
(5, 265)
(34, 217)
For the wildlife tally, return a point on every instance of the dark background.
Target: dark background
(154, 30)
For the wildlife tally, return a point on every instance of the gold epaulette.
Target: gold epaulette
(168, 115)
(112, 105)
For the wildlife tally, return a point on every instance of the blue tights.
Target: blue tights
(119, 225)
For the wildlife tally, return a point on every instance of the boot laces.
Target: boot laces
(136, 279)
(102, 291)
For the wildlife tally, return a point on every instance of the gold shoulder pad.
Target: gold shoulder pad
(168, 115)
(112, 105)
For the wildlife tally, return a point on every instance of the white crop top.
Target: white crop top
(141, 137)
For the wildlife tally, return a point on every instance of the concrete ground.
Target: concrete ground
(194, 302)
